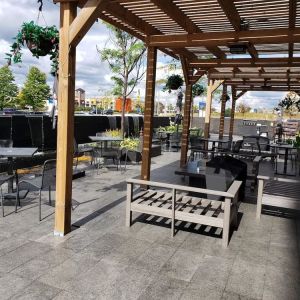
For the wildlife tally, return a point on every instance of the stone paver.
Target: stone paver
(102, 259)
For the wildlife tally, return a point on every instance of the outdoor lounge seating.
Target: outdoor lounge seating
(175, 204)
(277, 192)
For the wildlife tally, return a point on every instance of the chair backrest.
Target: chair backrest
(175, 136)
(237, 146)
(49, 173)
(197, 142)
(6, 143)
(263, 143)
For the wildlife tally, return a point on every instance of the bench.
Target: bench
(277, 192)
(173, 202)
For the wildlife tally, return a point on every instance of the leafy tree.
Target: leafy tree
(243, 108)
(290, 104)
(125, 58)
(8, 89)
(35, 91)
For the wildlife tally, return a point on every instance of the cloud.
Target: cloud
(91, 74)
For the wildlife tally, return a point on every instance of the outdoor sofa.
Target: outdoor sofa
(173, 202)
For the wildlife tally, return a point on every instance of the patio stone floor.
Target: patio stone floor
(102, 259)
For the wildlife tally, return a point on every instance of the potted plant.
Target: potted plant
(174, 82)
(133, 149)
(41, 41)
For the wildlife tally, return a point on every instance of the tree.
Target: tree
(290, 104)
(243, 108)
(125, 59)
(8, 88)
(35, 91)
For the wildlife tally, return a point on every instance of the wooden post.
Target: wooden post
(223, 108)
(233, 90)
(65, 125)
(148, 113)
(208, 108)
(186, 125)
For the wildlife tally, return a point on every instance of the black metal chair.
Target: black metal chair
(197, 147)
(43, 181)
(5, 177)
(175, 140)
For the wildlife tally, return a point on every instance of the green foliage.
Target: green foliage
(35, 91)
(227, 112)
(174, 82)
(197, 90)
(125, 59)
(41, 41)
(297, 140)
(113, 133)
(194, 131)
(290, 104)
(8, 89)
(130, 144)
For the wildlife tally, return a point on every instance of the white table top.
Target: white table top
(105, 139)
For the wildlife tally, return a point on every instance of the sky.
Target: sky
(92, 75)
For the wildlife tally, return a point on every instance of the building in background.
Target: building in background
(80, 97)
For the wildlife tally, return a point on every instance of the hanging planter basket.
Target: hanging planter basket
(174, 82)
(41, 41)
(44, 48)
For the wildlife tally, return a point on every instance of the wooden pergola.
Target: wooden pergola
(202, 34)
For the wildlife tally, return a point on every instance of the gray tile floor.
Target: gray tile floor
(102, 259)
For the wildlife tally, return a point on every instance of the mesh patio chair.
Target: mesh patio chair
(175, 140)
(197, 147)
(5, 177)
(43, 181)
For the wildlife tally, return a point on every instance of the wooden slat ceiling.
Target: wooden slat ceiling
(154, 21)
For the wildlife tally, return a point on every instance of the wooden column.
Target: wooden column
(208, 108)
(148, 113)
(233, 89)
(65, 125)
(186, 125)
(223, 108)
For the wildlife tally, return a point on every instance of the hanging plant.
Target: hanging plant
(174, 82)
(41, 41)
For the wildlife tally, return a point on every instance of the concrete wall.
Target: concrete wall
(241, 127)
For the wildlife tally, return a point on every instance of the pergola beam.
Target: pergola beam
(245, 62)
(84, 21)
(181, 19)
(263, 36)
(292, 22)
(254, 75)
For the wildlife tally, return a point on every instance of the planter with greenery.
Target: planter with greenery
(133, 149)
(174, 82)
(41, 41)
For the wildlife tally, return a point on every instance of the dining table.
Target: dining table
(12, 153)
(286, 148)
